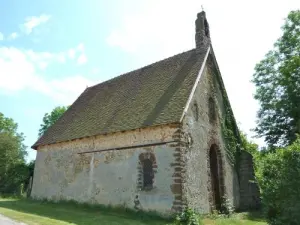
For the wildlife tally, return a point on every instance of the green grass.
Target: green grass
(48, 213)
(239, 218)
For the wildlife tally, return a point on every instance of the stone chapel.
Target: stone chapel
(150, 139)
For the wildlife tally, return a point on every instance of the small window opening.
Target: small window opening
(148, 174)
(212, 110)
(195, 111)
(206, 28)
(215, 179)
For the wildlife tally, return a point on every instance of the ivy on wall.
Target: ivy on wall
(230, 137)
(228, 124)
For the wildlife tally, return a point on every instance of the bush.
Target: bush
(187, 217)
(279, 179)
(227, 207)
(15, 180)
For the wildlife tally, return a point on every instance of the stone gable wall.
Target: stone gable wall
(202, 135)
(112, 177)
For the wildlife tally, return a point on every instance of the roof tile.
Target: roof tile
(153, 95)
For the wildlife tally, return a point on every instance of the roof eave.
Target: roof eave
(36, 145)
(195, 84)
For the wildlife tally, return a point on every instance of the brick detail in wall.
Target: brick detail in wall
(179, 168)
(140, 175)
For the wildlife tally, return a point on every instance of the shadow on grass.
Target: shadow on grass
(255, 216)
(82, 214)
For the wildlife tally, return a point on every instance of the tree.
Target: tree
(7, 124)
(9, 151)
(12, 154)
(277, 81)
(9, 133)
(50, 119)
(247, 145)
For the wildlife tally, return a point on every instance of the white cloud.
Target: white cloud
(30, 24)
(18, 72)
(43, 59)
(61, 58)
(42, 65)
(154, 27)
(68, 89)
(82, 59)
(1, 37)
(71, 53)
(33, 22)
(80, 47)
(13, 36)
(77, 50)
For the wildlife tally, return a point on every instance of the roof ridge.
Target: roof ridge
(132, 71)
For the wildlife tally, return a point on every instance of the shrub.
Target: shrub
(13, 180)
(187, 217)
(227, 207)
(279, 179)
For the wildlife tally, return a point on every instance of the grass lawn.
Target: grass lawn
(46, 213)
(240, 218)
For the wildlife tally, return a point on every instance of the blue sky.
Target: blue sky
(51, 50)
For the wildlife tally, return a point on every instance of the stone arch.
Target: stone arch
(216, 187)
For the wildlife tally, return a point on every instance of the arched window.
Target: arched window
(211, 110)
(148, 174)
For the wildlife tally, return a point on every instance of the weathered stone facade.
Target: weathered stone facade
(113, 177)
(107, 169)
(205, 133)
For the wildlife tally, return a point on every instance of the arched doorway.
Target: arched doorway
(214, 163)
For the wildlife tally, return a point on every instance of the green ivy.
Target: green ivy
(228, 125)
(230, 136)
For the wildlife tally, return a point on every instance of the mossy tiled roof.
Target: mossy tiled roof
(153, 95)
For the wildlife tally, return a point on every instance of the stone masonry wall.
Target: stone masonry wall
(204, 132)
(249, 190)
(112, 177)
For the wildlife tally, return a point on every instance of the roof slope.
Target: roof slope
(153, 95)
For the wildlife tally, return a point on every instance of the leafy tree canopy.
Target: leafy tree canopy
(50, 119)
(277, 81)
(7, 124)
(247, 145)
(10, 137)
(12, 156)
